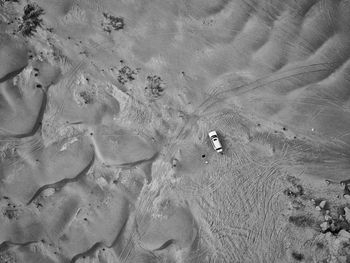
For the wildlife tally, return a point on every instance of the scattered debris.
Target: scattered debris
(31, 19)
(112, 23)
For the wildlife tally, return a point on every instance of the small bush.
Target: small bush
(155, 87)
(297, 256)
(126, 74)
(113, 22)
(11, 213)
(31, 19)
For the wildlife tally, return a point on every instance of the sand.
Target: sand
(105, 109)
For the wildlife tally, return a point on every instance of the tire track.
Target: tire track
(72, 74)
(140, 215)
(242, 89)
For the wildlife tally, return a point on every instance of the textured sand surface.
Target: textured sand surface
(105, 107)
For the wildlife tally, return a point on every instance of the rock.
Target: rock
(347, 197)
(322, 204)
(324, 226)
(347, 214)
(327, 217)
(345, 234)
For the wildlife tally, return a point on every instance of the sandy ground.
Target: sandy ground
(105, 108)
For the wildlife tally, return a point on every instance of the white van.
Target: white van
(215, 141)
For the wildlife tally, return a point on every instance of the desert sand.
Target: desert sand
(105, 109)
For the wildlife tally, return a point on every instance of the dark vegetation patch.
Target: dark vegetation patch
(31, 19)
(112, 23)
(302, 220)
(297, 256)
(155, 87)
(126, 74)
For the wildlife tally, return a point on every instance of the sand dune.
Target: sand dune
(105, 109)
(13, 55)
